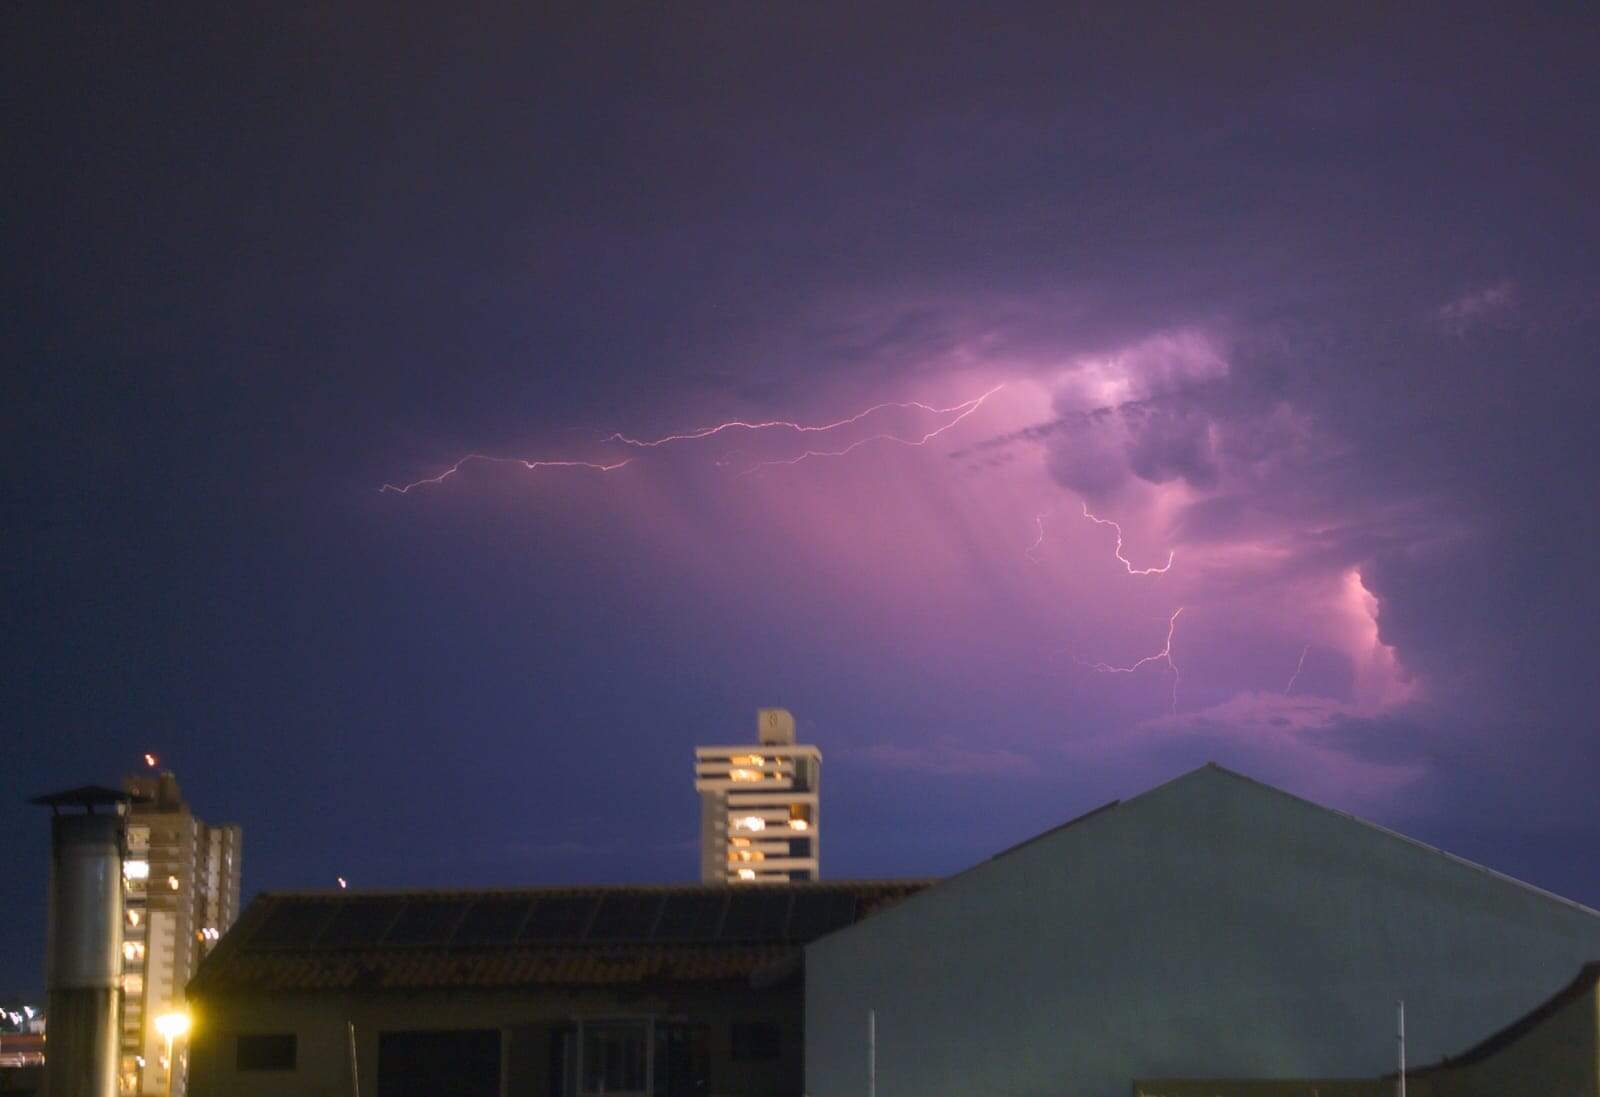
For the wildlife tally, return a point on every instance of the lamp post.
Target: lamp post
(171, 1026)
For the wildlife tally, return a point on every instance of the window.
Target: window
(439, 1063)
(682, 1060)
(756, 1040)
(614, 1057)
(268, 1051)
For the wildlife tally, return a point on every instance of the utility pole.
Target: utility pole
(872, 1053)
(1401, 1090)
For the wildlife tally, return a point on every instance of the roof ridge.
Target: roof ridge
(1381, 829)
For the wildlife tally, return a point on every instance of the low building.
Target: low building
(547, 992)
(1553, 1051)
(1213, 927)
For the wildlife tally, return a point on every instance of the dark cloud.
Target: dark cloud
(1306, 297)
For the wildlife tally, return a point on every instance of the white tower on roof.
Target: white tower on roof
(758, 806)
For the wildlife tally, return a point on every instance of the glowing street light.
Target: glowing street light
(171, 1026)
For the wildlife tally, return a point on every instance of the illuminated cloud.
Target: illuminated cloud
(1481, 306)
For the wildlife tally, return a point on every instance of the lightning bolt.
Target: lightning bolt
(965, 409)
(960, 411)
(1038, 520)
(1298, 667)
(800, 428)
(1162, 656)
(531, 466)
(1162, 570)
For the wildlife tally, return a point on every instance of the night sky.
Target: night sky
(1305, 303)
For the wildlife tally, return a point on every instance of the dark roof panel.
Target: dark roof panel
(292, 925)
(589, 936)
(817, 913)
(495, 920)
(427, 922)
(560, 918)
(757, 914)
(625, 916)
(692, 916)
(360, 923)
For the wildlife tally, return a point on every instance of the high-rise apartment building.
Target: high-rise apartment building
(758, 806)
(181, 893)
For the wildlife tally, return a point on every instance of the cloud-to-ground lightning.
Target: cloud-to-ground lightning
(960, 412)
(1126, 563)
(531, 466)
(1038, 520)
(1298, 667)
(1162, 656)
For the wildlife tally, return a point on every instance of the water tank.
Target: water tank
(84, 950)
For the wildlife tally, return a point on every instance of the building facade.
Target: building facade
(676, 991)
(181, 893)
(759, 806)
(1213, 927)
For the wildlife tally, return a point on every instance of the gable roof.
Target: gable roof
(562, 936)
(1212, 771)
(1212, 767)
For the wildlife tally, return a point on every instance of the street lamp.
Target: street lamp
(171, 1026)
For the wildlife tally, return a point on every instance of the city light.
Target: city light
(171, 1026)
(151, 760)
(799, 824)
(136, 870)
(343, 883)
(750, 822)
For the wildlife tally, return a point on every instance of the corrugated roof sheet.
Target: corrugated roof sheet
(590, 936)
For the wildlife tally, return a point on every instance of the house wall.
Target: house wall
(527, 1020)
(1210, 928)
(1558, 1058)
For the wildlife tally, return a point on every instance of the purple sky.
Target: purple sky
(1306, 303)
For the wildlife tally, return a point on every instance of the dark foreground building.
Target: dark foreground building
(552, 992)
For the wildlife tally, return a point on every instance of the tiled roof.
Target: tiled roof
(591, 936)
